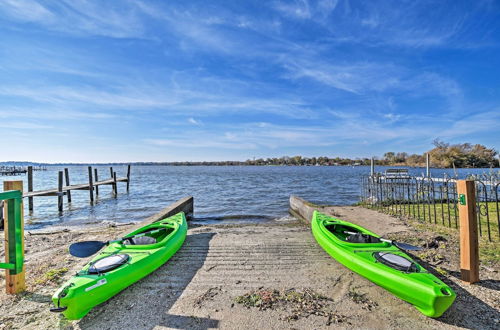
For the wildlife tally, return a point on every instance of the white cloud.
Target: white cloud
(194, 121)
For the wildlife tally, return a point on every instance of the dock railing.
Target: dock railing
(433, 200)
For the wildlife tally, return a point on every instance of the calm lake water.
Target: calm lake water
(221, 193)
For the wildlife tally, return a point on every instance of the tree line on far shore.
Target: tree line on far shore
(446, 155)
(443, 155)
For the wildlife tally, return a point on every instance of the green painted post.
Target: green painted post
(14, 253)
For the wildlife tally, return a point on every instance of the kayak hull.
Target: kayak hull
(85, 290)
(420, 288)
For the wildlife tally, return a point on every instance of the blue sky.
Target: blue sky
(99, 81)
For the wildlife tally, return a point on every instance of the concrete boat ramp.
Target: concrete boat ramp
(199, 287)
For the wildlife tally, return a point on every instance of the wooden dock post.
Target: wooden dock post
(60, 192)
(15, 281)
(469, 248)
(112, 186)
(91, 186)
(115, 186)
(128, 177)
(30, 187)
(96, 178)
(68, 192)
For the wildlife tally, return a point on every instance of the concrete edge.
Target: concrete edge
(302, 209)
(185, 205)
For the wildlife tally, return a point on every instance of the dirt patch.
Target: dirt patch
(208, 295)
(362, 299)
(297, 303)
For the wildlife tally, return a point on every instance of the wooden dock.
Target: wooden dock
(12, 170)
(65, 188)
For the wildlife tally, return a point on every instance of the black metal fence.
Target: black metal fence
(433, 200)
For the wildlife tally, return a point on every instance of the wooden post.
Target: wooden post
(68, 192)
(115, 186)
(60, 192)
(30, 187)
(14, 283)
(112, 186)
(96, 178)
(91, 186)
(128, 177)
(469, 249)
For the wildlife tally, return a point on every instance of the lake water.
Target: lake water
(221, 193)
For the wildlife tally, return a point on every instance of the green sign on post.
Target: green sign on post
(15, 261)
(461, 199)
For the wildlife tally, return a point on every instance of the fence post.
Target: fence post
(469, 249)
(14, 240)
(427, 165)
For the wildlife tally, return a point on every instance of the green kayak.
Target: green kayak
(382, 263)
(120, 264)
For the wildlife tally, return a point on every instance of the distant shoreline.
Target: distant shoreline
(217, 163)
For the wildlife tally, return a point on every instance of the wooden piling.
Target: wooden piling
(115, 186)
(68, 192)
(14, 283)
(469, 248)
(128, 177)
(91, 186)
(96, 178)
(60, 192)
(30, 187)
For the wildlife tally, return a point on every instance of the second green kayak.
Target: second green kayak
(119, 265)
(382, 263)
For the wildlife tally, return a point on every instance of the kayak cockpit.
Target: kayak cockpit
(149, 236)
(350, 234)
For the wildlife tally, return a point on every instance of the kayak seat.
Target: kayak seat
(142, 240)
(362, 238)
(108, 263)
(351, 234)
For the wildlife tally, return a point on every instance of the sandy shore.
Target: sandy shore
(210, 283)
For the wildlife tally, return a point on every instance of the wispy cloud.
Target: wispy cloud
(193, 121)
(79, 17)
(23, 125)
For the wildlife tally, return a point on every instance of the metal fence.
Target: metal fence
(433, 200)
